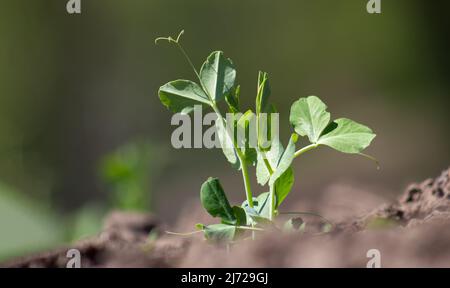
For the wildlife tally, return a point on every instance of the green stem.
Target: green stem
(272, 202)
(183, 234)
(247, 185)
(272, 189)
(306, 149)
(268, 166)
(249, 228)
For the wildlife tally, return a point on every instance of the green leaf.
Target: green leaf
(264, 128)
(262, 106)
(214, 200)
(220, 232)
(263, 206)
(261, 221)
(263, 93)
(254, 218)
(272, 157)
(243, 124)
(240, 215)
(232, 100)
(249, 211)
(347, 136)
(182, 95)
(309, 117)
(285, 160)
(260, 209)
(218, 75)
(283, 185)
(226, 143)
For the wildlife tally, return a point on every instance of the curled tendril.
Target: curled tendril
(170, 39)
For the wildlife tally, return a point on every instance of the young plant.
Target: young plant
(216, 82)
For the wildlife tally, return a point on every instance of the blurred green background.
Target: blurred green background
(82, 130)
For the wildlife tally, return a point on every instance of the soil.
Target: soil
(410, 232)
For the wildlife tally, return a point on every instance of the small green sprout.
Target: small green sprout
(216, 82)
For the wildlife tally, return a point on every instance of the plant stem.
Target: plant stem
(268, 166)
(272, 202)
(272, 191)
(183, 234)
(247, 185)
(306, 149)
(249, 228)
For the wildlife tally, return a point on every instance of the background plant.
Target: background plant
(308, 117)
(129, 172)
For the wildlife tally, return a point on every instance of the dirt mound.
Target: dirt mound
(423, 202)
(412, 232)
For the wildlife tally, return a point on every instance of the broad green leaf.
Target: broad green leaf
(182, 95)
(232, 100)
(240, 215)
(295, 225)
(263, 93)
(218, 75)
(347, 136)
(283, 185)
(226, 143)
(272, 157)
(285, 160)
(220, 232)
(309, 117)
(215, 201)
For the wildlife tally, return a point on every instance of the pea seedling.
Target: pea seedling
(308, 117)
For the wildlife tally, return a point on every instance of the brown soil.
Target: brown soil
(412, 232)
